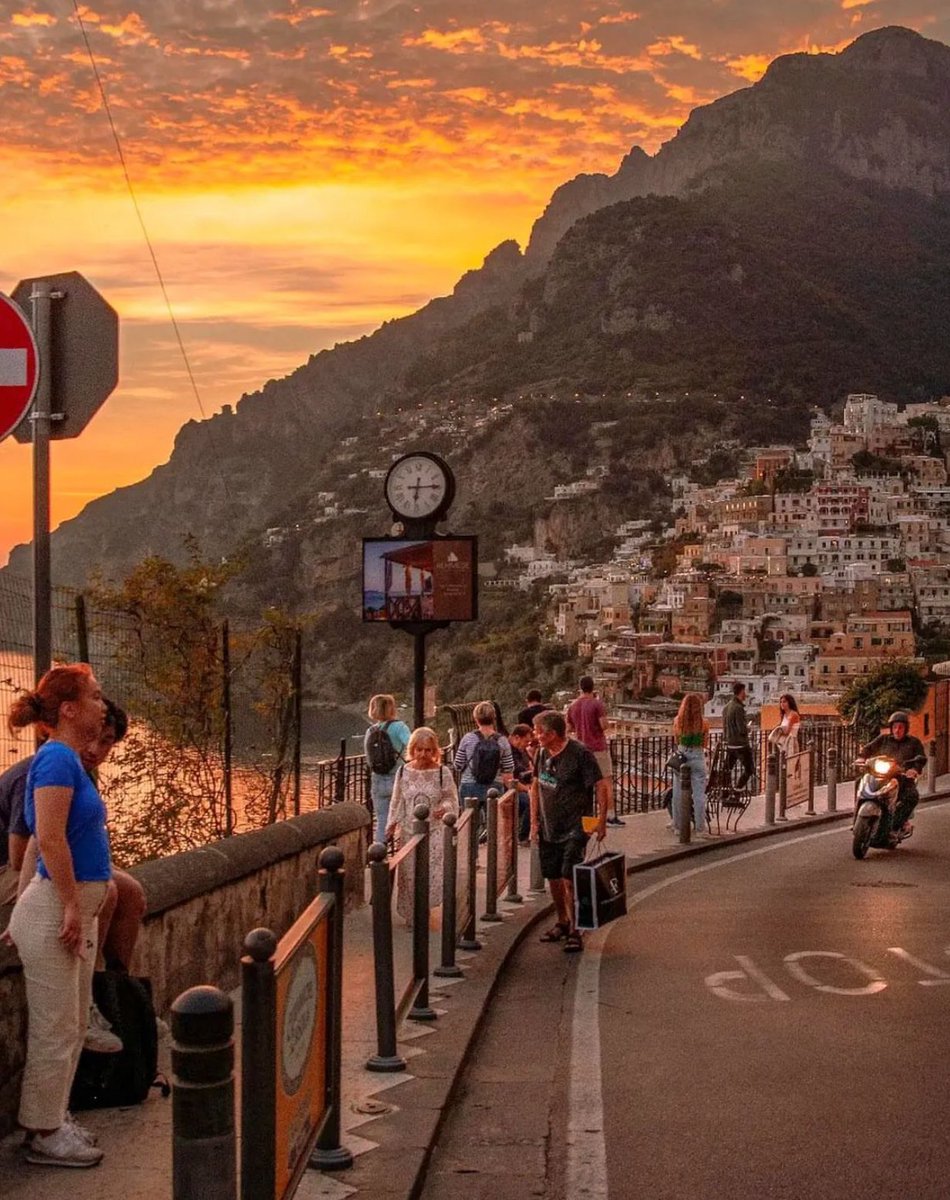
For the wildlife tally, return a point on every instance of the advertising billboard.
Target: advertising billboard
(420, 579)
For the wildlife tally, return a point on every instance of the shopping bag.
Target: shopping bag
(600, 890)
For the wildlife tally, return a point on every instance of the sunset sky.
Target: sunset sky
(307, 170)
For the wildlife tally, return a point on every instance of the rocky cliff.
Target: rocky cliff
(879, 111)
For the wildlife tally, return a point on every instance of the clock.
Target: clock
(418, 486)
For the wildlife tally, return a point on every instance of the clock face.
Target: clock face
(417, 486)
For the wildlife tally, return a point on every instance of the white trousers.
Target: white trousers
(58, 995)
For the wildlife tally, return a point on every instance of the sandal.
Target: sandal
(557, 933)
(574, 942)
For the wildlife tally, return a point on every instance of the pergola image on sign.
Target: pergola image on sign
(431, 579)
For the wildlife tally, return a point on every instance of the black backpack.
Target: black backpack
(380, 750)
(486, 759)
(118, 1080)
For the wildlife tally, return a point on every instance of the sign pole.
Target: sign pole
(41, 299)
(418, 680)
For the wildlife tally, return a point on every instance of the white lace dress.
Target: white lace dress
(435, 787)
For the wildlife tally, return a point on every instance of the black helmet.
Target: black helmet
(900, 716)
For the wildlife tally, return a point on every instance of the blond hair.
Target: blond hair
(382, 708)
(484, 713)
(422, 735)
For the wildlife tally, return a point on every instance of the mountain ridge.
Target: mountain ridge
(239, 472)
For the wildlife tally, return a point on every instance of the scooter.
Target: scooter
(877, 794)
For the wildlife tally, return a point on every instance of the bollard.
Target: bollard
(686, 804)
(468, 940)
(535, 879)
(782, 788)
(513, 896)
(386, 1058)
(258, 1055)
(491, 912)
(810, 803)
(421, 1010)
(771, 785)
(330, 1153)
(831, 788)
(204, 1162)
(447, 968)
(932, 766)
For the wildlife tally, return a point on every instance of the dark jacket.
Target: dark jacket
(908, 753)
(735, 726)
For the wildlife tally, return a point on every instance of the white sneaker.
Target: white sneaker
(86, 1134)
(99, 1036)
(64, 1147)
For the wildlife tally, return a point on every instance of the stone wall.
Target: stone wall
(201, 904)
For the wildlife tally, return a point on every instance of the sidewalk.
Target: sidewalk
(389, 1121)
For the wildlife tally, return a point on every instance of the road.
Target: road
(769, 1021)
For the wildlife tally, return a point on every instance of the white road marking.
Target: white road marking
(876, 982)
(586, 1167)
(938, 976)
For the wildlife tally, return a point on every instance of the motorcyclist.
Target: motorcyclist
(909, 754)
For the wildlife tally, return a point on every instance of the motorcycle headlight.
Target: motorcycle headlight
(881, 766)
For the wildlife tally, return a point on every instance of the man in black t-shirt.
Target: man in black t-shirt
(565, 775)
(533, 705)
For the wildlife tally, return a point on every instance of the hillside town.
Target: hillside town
(800, 574)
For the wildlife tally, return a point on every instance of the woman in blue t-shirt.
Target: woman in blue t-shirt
(54, 922)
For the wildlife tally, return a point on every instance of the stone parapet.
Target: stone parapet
(201, 904)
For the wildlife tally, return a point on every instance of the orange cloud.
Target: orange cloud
(26, 20)
(749, 66)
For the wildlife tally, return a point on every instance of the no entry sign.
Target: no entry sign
(19, 366)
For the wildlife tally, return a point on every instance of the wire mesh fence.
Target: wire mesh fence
(214, 737)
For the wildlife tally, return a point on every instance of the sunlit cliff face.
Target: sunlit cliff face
(306, 171)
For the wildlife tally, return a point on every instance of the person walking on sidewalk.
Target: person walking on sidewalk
(422, 780)
(483, 757)
(565, 775)
(735, 734)
(53, 925)
(690, 729)
(585, 720)
(384, 747)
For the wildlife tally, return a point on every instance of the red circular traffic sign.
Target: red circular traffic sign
(19, 366)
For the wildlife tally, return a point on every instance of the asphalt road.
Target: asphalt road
(769, 1021)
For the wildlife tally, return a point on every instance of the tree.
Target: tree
(809, 569)
(892, 685)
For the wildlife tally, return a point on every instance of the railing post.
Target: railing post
(339, 791)
(771, 785)
(831, 783)
(468, 940)
(535, 878)
(421, 1009)
(204, 1162)
(386, 1058)
(686, 804)
(513, 896)
(82, 629)
(227, 715)
(932, 766)
(330, 1153)
(810, 804)
(258, 1059)
(297, 683)
(782, 787)
(491, 912)
(447, 968)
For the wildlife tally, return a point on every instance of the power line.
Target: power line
(145, 234)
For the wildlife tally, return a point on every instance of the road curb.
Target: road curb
(405, 1138)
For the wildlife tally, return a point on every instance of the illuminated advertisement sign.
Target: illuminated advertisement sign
(420, 579)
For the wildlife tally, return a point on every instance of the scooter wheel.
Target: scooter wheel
(861, 837)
